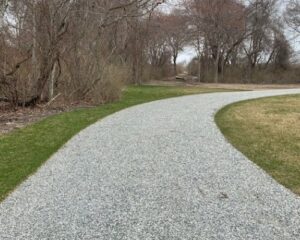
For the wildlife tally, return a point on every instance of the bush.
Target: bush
(110, 87)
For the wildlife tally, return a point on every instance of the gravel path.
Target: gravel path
(161, 170)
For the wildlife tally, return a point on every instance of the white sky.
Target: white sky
(186, 55)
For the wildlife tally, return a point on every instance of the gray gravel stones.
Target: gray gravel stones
(161, 170)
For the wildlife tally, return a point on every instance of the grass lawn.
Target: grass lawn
(23, 151)
(267, 131)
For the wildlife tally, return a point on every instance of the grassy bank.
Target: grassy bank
(267, 131)
(23, 151)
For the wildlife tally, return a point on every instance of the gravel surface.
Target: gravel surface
(160, 170)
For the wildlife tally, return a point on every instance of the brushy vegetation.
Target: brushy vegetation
(23, 151)
(78, 50)
(267, 131)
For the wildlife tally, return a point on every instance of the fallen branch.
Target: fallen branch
(52, 100)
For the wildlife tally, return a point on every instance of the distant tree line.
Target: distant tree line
(85, 50)
(243, 35)
(234, 40)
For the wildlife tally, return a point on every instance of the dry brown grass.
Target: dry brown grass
(268, 132)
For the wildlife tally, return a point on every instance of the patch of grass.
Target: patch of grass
(267, 131)
(23, 151)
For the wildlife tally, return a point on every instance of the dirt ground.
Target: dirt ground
(10, 120)
(226, 85)
(21, 117)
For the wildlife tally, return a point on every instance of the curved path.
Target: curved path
(161, 170)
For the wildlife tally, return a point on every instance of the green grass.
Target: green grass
(23, 151)
(267, 131)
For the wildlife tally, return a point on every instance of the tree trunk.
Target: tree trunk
(51, 82)
(34, 61)
(199, 69)
(222, 68)
(216, 77)
(175, 65)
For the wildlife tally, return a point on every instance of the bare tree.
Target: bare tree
(158, 52)
(292, 15)
(174, 25)
(260, 25)
(282, 52)
(219, 26)
(68, 47)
